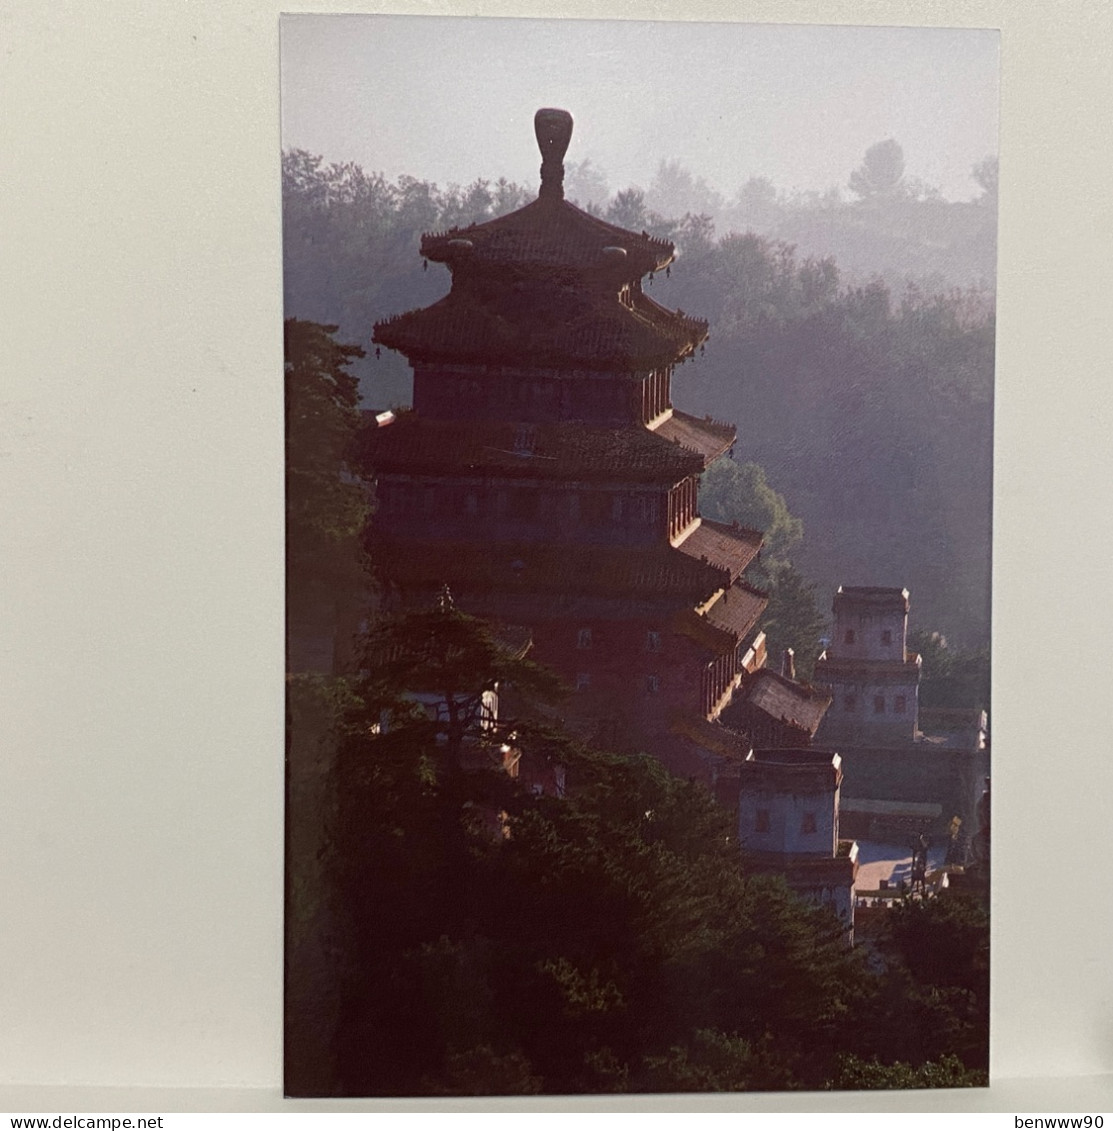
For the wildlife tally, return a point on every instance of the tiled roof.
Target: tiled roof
(729, 548)
(829, 667)
(726, 623)
(708, 437)
(737, 610)
(711, 736)
(550, 233)
(945, 717)
(554, 451)
(516, 567)
(780, 768)
(687, 622)
(516, 320)
(785, 699)
(875, 596)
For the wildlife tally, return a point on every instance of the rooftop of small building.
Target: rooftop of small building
(946, 717)
(794, 756)
(875, 595)
(828, 665)
(711, 736)
(798, 704)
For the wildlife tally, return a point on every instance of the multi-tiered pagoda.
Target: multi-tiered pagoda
(545, 477)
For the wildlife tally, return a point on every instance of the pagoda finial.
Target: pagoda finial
(554, 131)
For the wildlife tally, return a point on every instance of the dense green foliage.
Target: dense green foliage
(323, 503)
(489, 940)
(870, 412)
(855, 1074)
(952, 677)
(793, 618)
(350, 245)
(327, 504)
(872, 417)
(733, 492)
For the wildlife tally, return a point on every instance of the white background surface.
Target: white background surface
(140, 565)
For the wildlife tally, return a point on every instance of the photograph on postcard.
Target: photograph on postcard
(639, 409)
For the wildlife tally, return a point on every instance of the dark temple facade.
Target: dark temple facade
(544, 475)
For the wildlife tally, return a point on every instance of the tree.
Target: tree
(619, 914)
(855, 1074)
(985, 175)
(739, 492)
(793, 618)
(327, 500)
(943, 941)
(881, 174)
(585, 184)
(676, 192)
(458, 660)
(940, 950)
(756, 206)
(628, 210)
(951, 677)
(733, 492)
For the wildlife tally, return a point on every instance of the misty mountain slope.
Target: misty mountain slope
(937, 242)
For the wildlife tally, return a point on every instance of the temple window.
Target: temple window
(652, 684)
(761, 821)
(879, 704)
(900, 705)
(887, 636)
(808, 825)
(653, 641)
(583, 638)
(583, 681)
(849, 637)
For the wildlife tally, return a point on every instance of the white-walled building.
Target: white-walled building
(873, 679)
(788, 823)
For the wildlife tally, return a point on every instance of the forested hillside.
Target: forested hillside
(867, 404)
(885, 226)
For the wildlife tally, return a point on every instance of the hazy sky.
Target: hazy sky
(449, 99)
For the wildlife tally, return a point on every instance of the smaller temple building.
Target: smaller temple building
(788, 824)
(873, 679)
(908, 771)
